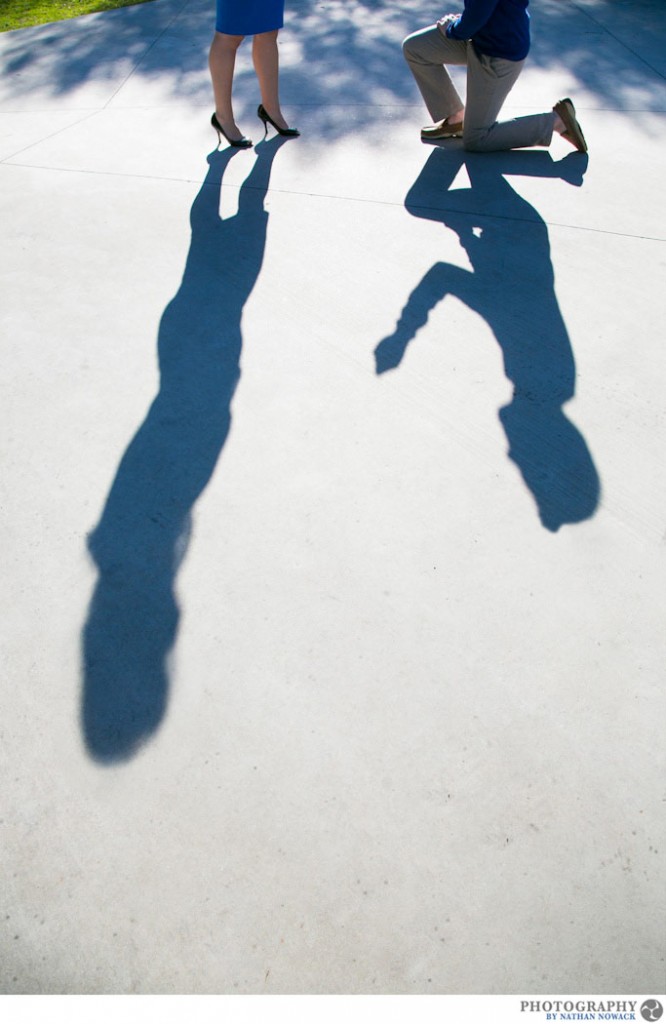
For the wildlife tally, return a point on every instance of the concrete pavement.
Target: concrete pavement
(333, 506)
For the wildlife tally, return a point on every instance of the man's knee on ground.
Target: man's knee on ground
(475, 140)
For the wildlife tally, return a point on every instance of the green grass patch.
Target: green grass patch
(24, 13)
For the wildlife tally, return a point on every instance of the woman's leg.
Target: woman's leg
(427, 52)
(221, 61)
(266, 65)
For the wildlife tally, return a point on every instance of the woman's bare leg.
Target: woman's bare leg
(266, 62)
(221, 61)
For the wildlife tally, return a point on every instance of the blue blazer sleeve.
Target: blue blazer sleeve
(474, 17)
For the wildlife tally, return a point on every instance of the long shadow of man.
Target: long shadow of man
(144, 530)
(511, 285)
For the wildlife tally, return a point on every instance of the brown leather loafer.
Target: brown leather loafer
(442, 130)
(574, 133)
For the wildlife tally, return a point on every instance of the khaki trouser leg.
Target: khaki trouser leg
(427, 52)
(489, 82)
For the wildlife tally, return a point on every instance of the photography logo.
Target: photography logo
(651, 1009)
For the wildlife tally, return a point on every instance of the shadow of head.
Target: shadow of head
(554, 461)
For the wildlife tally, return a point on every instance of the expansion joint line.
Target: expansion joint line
(145, 54)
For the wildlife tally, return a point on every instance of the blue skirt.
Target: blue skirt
(249, 17)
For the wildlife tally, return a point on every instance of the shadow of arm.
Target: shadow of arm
(432, 288)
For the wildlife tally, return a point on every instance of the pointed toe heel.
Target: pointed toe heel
(241, 143)
(263, 115)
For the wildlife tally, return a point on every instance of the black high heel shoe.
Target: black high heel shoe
(238, 143)
(263, 115)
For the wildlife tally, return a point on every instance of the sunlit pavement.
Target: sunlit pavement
(333, 508)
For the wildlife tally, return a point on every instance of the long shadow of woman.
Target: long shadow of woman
(511, 285)
(144, 529)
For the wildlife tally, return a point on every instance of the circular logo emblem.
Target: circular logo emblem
(651, 1009)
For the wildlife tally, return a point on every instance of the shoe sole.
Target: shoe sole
(566, 111)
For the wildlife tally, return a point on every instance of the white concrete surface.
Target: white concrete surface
(335, 696)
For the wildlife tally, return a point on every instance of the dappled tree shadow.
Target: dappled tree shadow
(338, 54)
(595, 42)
